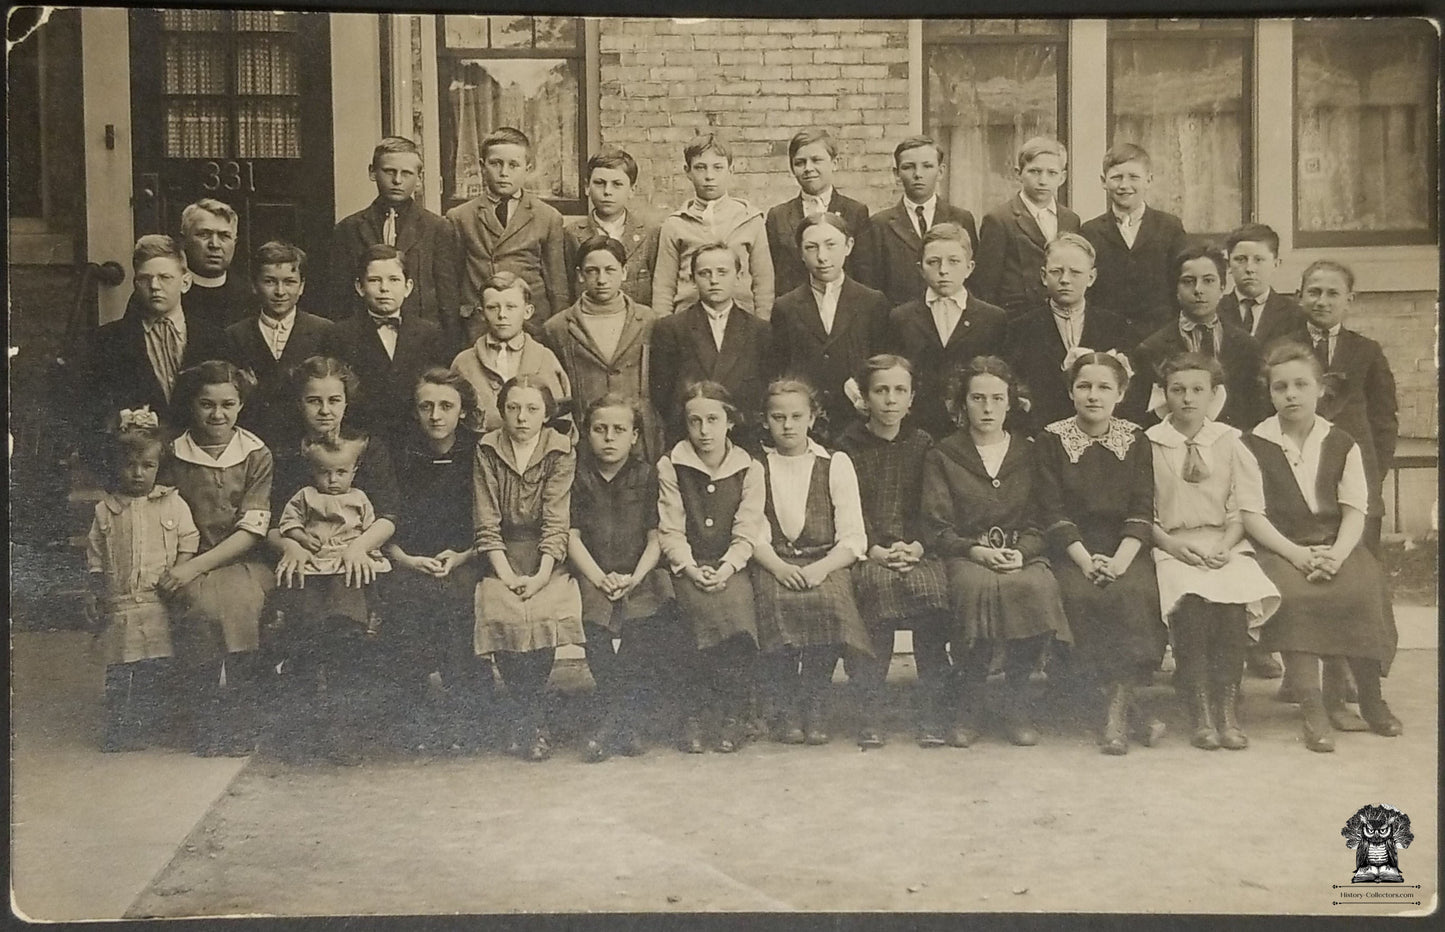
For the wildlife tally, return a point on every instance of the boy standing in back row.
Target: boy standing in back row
(611, 179)
(812, 158)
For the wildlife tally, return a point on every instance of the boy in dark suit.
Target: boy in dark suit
(889, 261)
(1135, 244)
(611, 177)
(386, 347)
(1014, 235)
(1041, 339)
(812, 158)
(394, 218)
(134, 361)
(1253, 252)
(507, 229)
(270, 342)
(714, 339)
(946, 328)
(824, 330)
(1199, 271)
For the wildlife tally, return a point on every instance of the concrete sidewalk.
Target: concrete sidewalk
(92, 832)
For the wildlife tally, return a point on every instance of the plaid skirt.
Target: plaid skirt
(811, 618)
(888, 597)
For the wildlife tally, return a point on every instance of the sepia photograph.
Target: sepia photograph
(639, 470)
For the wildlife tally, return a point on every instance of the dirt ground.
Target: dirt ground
(1057, 827)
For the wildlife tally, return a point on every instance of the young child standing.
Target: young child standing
(814, 532)
(507, 229)
(1264, 313)
(614, 550)
(812, 158)
(1334, 600)
(900, 584)
(527, 606)
(1211, 591)
(611, 182)
(1015, 234)
(712, 216)
(140, 531)
(1096, 502)
(224, 473)
(506, 351)
(394, 218)
(710, 515)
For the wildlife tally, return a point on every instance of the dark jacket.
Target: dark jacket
(893, 249)
(383, 404)
(531, 247)
(1035, 352)
(120, 371)
(912, 334)
(1280, 316)
(1134, 282)
(683, 351)
(1011, 255)
(1246, 403)
(270, 412)
(781, 225)
(639, 239)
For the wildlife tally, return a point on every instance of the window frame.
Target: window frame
(1335, 239)
(448, 61)
(1060, 40)
(1129, 30)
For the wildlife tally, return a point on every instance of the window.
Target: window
(989, 86)
(522, 71)
(1178, 88)
(1366, 133)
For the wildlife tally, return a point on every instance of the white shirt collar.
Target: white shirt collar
(1317, 332)
(961, 299)
(830, 289)
(176, 316)
(1131, 219)
(612, 228)
(1052, 207)
(201, 281)
(1166, 435)
(735, 460)
(1075, 314)
(814, 448)
(1258, 302)
(1270, 429)
(823, 199)
(928, 205)
(243, 444)
(720, 314)
(282, 324)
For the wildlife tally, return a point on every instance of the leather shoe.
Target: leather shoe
(595, 751)
(1381, 720)
(962, 736)
(691, 742)
(630, 744)
(870, 738)
(540, 749)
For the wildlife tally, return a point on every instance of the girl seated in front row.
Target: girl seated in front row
(528, 606)
(141, 530)
(1211, 592)
(813, 533)
(710, 514)
(1316, 497)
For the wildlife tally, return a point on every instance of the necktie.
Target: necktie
(502, 212)
(1246, 313)
(1205, 333)
(1322, 349)
(1194, 469)
(388, 229)
(922, 220)
(170, 354)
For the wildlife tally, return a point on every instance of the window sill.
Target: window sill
(1377, 268)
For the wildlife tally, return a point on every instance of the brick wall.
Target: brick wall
(1404, 323)
(756, 83)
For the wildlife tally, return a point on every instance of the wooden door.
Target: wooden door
(235, 105)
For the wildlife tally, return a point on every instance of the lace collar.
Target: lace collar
(1117, 439)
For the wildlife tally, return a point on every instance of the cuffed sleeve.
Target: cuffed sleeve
(848, 532)
(672, 519)
(1139, 519)
(1246, 486)
(486, 504)
(557, 504)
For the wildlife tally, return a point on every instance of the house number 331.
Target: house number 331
(229, 176)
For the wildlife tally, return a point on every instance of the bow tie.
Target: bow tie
(1188, 326)
(393, 321)
(1316, 334)
(497, 346)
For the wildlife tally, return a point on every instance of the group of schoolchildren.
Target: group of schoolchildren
(523, 434)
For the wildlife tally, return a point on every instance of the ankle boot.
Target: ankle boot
(1231, 737)
(1148, 729)
(1116, 723)
(1018, 718)
(968, 713)
(815, 719)
(1205, 736)
(1335, 689)
(1372, 702)
(691, 740)
(1316, 723)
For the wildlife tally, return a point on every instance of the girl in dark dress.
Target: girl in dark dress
(899, 584)
(980, 508)
(710, 514)
(814, 532)
(1096, 501)
(1334, 602)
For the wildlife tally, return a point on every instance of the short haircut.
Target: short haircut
(440, 375)
(1291, 351)
(1253, 233)
(881, 362)
(504, 136)
(1202, 250)
(715, 247)
(157, 246)
(916, 142)
(352, 446)
(807, 138)
(793, 385)
(613, 400)
(600, 242)
(208, 205)
(130, 441)
(962, 378)
(276, 252)
(393, 145)
(1191, 362)
(1100, 359)
(712, 391)
(1126, 152)
(1074, 240)
(324, 367)
(549, 400)
(1329, 265)
(947, 233)
(1041, 145)
(705, 143)
(506, 281)
(615, 159)
(189, 383)
(813, 220)
(379, 252)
